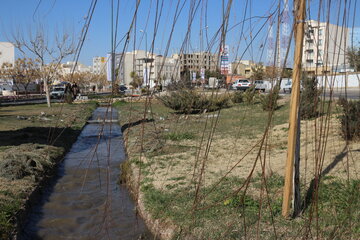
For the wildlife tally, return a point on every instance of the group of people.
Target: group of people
(72, 89)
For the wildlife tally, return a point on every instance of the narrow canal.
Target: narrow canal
(86, 201)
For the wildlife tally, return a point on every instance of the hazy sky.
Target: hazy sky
(70, 15)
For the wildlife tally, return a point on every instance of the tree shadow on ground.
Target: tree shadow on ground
(58, 137)
(133, 124)
(314, 184)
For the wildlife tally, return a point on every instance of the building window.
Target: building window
(320, 42)
(320, 32)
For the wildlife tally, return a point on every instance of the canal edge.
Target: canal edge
(163, 230)
(37, 193)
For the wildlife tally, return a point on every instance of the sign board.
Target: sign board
(202, 73)
(224, 60)
(108, 67)
(146, 74)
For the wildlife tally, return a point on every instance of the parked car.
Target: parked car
(260, 85)
(288, 86)
(241, 84)
(122, 88)
(58, 92)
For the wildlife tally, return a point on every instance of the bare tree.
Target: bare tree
(85, 79)
(22, 73)
(49, 54)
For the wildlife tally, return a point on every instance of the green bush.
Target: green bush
(249, 95)
(309, 98)
(350, 119)
(237, 97)
(189, 101)
(269, 101)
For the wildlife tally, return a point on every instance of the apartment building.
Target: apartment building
(324, 47)
(99, 65)
(194, 62)
(152, 68)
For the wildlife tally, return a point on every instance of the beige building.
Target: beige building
(243, 68)
(195, 61)
(324, 47)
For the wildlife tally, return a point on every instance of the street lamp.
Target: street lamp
(146, 57)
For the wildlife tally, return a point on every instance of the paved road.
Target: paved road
(351, 93)
(337, 93)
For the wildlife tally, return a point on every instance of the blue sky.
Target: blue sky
(70, 15)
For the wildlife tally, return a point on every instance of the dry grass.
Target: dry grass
(169, 175)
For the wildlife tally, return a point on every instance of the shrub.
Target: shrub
(189, 101)
(309, 98)
(237, 97)
(218, 102)
(68, 98)
(249, 95)
(350, 119)
(269, 101)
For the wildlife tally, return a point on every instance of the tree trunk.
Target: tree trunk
(47, 93)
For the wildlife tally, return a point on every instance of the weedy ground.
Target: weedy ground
(33, 139)
(214, 178)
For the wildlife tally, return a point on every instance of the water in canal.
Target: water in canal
(86, 201)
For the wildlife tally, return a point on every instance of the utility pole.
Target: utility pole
(146, 78)
(112, 51)
(299, 7)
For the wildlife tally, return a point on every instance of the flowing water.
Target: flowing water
(86, 201)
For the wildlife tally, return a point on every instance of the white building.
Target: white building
(99, 65)
(157, 67)
(324, 47)
(68, 67)
(161, 70)
(7, 53)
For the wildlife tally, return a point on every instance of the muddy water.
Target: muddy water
(86, 201)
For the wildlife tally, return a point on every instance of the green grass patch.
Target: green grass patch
(179, 136)
(221, 209)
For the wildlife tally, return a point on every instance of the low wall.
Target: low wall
(351, 80)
